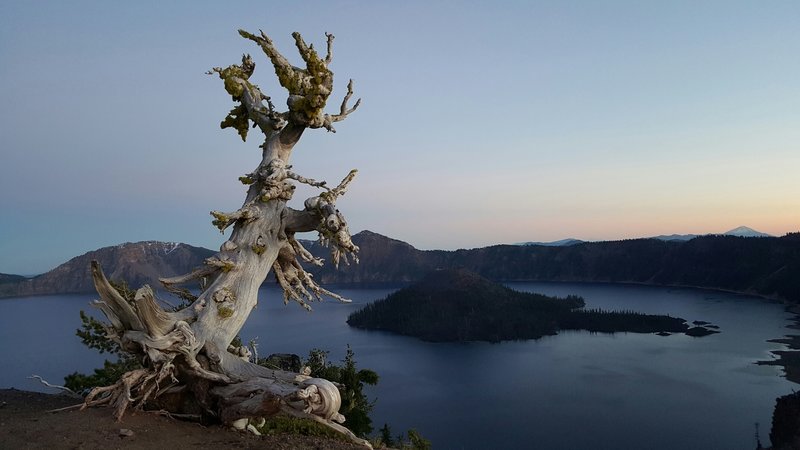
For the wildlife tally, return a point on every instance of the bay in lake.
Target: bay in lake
(576, 390)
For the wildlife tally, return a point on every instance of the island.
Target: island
(456, 305)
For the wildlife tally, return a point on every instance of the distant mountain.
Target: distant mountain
(675, 237)
(745, 232)
(766, 266)
(560, 243)
(382, 260)
(136, 263)
(740, 231)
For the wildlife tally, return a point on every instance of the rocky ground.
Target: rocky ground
(26, 423)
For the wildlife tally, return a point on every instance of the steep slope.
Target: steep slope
(382, 260)
(137, 263)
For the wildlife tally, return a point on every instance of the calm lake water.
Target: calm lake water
(576, 390)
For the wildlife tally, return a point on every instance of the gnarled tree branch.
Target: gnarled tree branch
(192, 347)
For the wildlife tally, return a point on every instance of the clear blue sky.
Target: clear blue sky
(481, 122)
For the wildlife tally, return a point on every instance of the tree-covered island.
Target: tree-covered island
(458, 305)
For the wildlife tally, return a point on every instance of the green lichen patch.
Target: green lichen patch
(283, 424)
(258, 249)
(224, 311)
(239, 120)
(247, 180)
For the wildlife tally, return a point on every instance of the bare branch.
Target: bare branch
(329, 56)
(195, 275)
(304, 254)
(224, 220)
(340, 190)
(226, 265)
(308, 54)
(295, 221)
(343, 110)
(288, 75)
(297, 284)
(304, 180)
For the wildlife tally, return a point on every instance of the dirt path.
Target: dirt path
(25, 423)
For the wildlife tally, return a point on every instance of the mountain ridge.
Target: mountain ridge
(768, 267)
(136, 263)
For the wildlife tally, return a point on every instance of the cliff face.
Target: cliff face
(137, 263)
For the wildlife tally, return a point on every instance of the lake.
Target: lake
(571, 391)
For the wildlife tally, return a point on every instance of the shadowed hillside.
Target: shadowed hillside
(136, 263)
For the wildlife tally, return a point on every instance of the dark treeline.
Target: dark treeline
(621, 321)
(457, 305)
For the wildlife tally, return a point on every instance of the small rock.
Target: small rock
(124, 432)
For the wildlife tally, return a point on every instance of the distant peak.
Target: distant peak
(560, 243)
(367, 235)
(744, 231)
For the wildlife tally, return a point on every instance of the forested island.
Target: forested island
(456, 305)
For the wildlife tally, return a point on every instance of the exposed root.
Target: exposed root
(66, 408)
(63, 389)
(120, 394)
(171, 415)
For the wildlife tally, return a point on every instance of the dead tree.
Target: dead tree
(187, 354)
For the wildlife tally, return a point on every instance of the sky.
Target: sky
(481, 122)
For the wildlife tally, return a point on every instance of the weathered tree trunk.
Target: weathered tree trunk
(189, 351)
